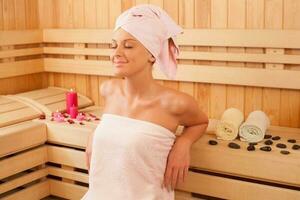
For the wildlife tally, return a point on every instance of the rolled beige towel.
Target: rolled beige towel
(228, 126)
(254, 128)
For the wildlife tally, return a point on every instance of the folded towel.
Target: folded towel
(228, 126)
(129, 160)
(254, 128)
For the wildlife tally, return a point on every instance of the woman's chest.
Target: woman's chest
(151, 111)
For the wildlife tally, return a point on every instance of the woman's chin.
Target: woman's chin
(119, 73)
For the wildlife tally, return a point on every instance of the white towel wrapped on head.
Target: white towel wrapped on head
(254, 128)
(228, 126)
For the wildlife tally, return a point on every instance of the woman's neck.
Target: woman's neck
(141, 85)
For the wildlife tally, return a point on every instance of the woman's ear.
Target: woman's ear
(152, 59)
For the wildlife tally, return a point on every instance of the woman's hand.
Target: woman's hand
(178, 163)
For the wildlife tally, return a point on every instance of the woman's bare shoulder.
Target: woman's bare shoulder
(109, 86)
(177, 102)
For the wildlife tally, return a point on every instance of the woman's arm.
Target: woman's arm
(195, 123)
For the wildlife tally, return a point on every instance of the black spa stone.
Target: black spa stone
(276, 138)
(212, 142)
(251, 148)
(234, 145)
(280, 145)
(268, 142)
(284, 152)
(296, 147)
(266, 148)
(267, 136)
(253, 143)
(291, 140)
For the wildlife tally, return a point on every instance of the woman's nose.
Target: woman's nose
(116, 52)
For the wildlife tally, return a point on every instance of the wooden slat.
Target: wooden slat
(21, 68)
(192, 37)
(11, 107)
(181, 195)
(191, 55)
(42, 93)
(77, 51)
(93, 67)
(66, 156)
(77, 35)
(36, 191)
(4, 100)
(190, 73)
(20, 37)
(23, 161)
(21, 52)
(72, 175)
(234, 189)
(240, 57)
(17, 116)
(66, 190)
(241, 38)
(17, 182)
(27, 135)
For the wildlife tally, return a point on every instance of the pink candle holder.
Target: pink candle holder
(71, 100)
(73, 112)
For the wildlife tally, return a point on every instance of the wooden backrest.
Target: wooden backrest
(263, 58)
(20, 52)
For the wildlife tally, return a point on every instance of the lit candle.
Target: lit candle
(71, 99)
(73, 111)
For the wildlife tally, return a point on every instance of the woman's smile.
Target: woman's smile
(119, 62)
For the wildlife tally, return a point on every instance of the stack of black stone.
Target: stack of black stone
(269, 140)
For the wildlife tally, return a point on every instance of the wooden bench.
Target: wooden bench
(23, 153)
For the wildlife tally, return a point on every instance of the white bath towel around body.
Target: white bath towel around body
(128, 160)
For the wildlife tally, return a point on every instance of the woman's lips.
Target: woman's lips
(119, 63)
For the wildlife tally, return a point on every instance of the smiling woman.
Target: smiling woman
(143, 160)
(129, 55)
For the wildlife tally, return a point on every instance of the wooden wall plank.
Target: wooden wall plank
(218, 92)
(271, 97)
(20, 14)
(290, 99)
(32, 18)
(254, 20)
(236, 20)
(9, 15)
(202, 20)
(186, 20)
(46, 13)
(1, 15)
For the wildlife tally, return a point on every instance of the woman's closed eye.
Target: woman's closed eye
(128, 44)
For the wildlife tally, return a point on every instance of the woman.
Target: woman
(134, 154)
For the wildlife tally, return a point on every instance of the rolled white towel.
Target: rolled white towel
(228, 126)
(254, 128)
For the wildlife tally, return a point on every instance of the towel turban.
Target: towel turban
(156, 30)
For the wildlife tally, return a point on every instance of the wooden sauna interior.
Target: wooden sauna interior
(234, 53)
